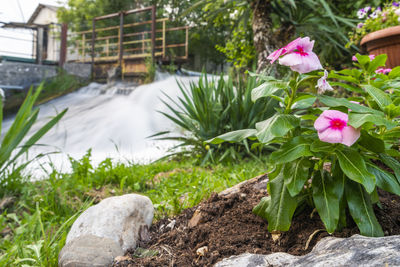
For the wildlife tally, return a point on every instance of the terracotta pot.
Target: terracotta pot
(386, 41)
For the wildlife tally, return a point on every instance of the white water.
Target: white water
(114, 122)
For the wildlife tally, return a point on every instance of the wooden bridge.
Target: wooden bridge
(130, 44)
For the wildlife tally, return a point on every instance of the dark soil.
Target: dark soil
(226, 226)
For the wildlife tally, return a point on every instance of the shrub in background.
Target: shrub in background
(213, 107)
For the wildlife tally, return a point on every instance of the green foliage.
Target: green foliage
(213, 107)
(333, 176)
(151, 70)
(36, 226)
(11, 150)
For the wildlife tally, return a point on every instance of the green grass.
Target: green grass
(39, 220)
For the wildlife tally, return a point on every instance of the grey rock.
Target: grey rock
(89, 251)
(330, 251)
(118, 218)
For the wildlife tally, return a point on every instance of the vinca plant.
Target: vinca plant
(332, 153)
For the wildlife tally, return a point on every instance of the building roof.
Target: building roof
(37, 11)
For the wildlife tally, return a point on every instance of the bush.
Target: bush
(213, 107)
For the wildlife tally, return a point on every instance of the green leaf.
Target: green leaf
(327, 194)
(380, 97)
(348, 87)
(394, 73)
(319, 146)
(337, 102)
(378, 61)
(363, 60)
(267, 89)
(294, 149)
(361, 210)
(391, 163)
(280, 209)
(384, 180)
(296, 173)
(392, 134)
(261, 207)
(235, 136)
(276, 126)
(304, 101)
(353, 165)
(371, 143)
(357, 120)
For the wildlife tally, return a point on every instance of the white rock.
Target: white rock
(89, 251)
(118, 218)
(330, 251)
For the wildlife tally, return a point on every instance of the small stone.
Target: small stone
(89, 251)
(171, 225)
(202, 251)
(196, 219)
(121, 258)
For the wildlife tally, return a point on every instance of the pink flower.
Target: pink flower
(323, 85)
(297, 55)
(354, 58)
(383, 71)
(284, 50)
(332, 128)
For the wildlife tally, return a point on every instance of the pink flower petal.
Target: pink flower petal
(284, 50)
(290, 59)
(350, 135)
(335, 114)
(306, 44)
(292, 45)
(308, 63)
(275, 55)
(322, 123)
(330, 136)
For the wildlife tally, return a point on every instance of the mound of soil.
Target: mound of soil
(224, 226)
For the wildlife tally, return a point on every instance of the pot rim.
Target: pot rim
(387, 32)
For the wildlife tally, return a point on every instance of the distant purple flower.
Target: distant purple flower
(379, 9)
(371, 57)
(360, 25)
(383, 71)
(395, 4)
(373, 15)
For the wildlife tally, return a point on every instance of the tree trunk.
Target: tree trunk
(262, 32)
(265, 40)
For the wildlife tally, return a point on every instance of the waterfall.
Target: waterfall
(113, 121)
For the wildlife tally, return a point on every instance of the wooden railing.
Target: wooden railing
(116, 43)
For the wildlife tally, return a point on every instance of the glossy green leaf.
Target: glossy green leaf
(394, 73)
(304, 101)
(361, 210)
(357, 120)
(327, 193)
(353, 165)
(384, 180)
(380, 97)
(348, 87)
(267, 89)
(378, 61)
(296, 173)
(261, 208)
(281, 207)
(392, 134)
(319, 146)
(235, 136)
(391, 163)
(371, 143)
(296, 148)
(337, 102)
(276, 126)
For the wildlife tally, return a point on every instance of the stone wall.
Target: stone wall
(25, 74)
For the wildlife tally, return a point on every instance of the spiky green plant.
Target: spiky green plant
(212, 107)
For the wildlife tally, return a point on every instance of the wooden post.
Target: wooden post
(93, 40)
(121, 39)
(83, 46)
(163, 39)
(187, 43)
(63, 47)
(153, 31)
(142, 43)
(107, 46)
